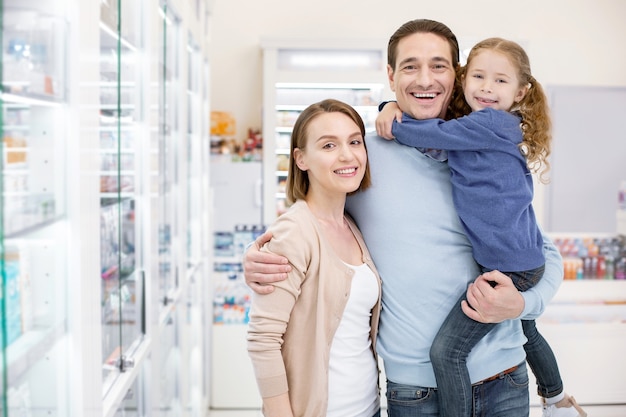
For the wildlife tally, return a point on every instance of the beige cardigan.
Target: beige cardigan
(291, 329)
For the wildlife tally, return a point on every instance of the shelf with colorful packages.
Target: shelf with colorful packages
(594, 287)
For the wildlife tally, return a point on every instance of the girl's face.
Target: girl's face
(334, 156)
(491, 81)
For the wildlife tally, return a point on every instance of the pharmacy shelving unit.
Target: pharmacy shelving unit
(34, 215)
(104, 232)
(297, 73)
(585, 323)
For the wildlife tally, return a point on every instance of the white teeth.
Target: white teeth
(346, 171)
(424, 95)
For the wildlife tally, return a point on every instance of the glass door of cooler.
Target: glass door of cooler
(33, 215)
(197, 115)
(167, 141)
(165, 145)
(292, 98)
(121, 279)
(296, 76)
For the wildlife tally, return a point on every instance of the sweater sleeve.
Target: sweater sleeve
(477, 131)
(540, 295)
(269, 313)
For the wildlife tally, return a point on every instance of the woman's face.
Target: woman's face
(334, 156)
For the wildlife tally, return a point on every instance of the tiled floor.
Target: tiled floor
(592, 411)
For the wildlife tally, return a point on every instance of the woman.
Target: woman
(312, 340)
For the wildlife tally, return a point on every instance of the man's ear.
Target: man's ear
(390, 77)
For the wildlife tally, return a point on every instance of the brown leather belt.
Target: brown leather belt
(505, 372)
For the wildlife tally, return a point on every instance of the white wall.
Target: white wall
(570, 42)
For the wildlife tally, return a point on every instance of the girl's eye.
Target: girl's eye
(356, 142)
(328, 146)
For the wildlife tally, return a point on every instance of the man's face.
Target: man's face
(423, 79)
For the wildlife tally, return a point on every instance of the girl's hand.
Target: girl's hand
(385, 118)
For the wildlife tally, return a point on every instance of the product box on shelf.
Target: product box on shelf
(11, 319)
(231, 302)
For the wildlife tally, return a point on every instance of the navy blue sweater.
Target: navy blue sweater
(491, 184)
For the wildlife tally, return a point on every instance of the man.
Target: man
(423, 256)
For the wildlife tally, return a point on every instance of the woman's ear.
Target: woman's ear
(298, 157)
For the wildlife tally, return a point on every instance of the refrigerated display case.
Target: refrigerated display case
(83, 317)
(33, 210)
(121, 279)
(297, 74)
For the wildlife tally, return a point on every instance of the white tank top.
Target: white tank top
(353, 375)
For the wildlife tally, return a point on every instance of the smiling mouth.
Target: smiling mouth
(425, 95)
(345, 171)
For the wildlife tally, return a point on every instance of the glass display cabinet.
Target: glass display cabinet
(297, 74)
(33, 210)
(103, 192)
(121, 273)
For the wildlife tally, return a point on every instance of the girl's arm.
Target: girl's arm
(389, 111)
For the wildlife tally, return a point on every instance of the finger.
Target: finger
(263, 239)
(486, 282)
(261, 288)
(472, 296)
(470, 312)
(266, 275)
(379, 129)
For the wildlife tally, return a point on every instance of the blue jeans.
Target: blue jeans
(459, 334)
(505, 396)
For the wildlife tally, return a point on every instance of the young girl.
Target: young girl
(312, 340)
(490, 153)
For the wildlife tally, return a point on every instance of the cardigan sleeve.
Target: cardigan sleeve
(269, 313)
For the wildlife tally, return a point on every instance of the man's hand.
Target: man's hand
(493, 304)
(261, 269)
